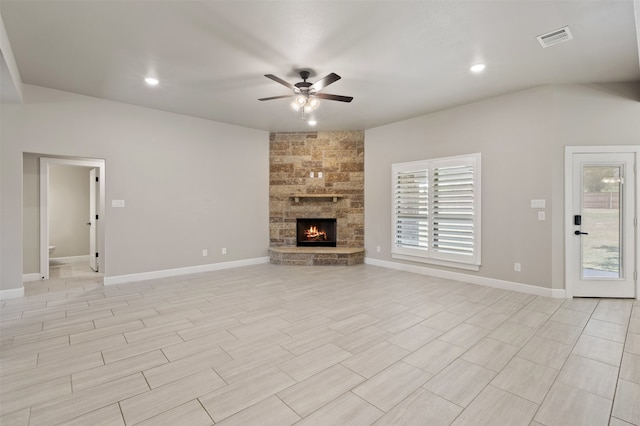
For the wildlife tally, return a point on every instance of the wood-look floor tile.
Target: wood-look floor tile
(191, 414)
(124, 350)
(414, 337)
(568, 405)
(512, 333)
(632, 343)
(375, 359)
(17, 398)
(487, 319)
(464, 335)
(17, 418)
(192, 347)
(526, 379)
(544, 304)
(460, 382)
(529, 318)
(115, 370)
(58, 410)
(563, 333)
(64, 367)
(235, 397)
(630, 368)
(421, 408)
(497, 407)
(348, 409)
(100, 333)
(259, 317)
(571, 317)
(626, 406)
(314, 361)
(269, 412)
(156, 401)
(444, 321)
(362, 339)
(251, 363)
(106, 416)
(592, 376)
(389, 387)
(165, 372)
(320, 389)
(304, 342)
(491, 354)
(546, 352)
(599, 349)
(606, 330)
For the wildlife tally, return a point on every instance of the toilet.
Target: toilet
(51, 249)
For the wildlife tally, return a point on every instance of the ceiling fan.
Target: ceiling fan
(307, 94)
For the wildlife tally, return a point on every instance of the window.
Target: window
(436, 211)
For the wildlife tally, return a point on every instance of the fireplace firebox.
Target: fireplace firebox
(316, 232)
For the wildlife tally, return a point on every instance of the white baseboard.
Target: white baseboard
(472, 279)
(12, 293)
(26, 278)
(143, 276)
(71, 259)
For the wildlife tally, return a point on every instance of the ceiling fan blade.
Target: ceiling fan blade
(321, 84)
(334, 97)
(276, 97)
(281, 81)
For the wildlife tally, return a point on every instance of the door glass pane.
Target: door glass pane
(601, 220)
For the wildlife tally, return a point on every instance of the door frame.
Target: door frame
(45, 163)
(569, 151)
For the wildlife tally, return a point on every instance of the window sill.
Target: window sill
(436, 262)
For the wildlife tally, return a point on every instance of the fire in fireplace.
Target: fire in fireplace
(316, 232)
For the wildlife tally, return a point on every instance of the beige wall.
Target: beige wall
(69, 210)
(521, 137)
(31, 214)
(188, 184)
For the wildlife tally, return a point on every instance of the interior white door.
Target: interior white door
(93, 226)
(601, 238)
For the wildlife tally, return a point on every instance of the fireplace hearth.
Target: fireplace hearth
(316, 232)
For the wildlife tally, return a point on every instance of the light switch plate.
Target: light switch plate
(538, 204)
(117, 203)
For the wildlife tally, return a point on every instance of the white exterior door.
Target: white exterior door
(93, 226)
(600, 236)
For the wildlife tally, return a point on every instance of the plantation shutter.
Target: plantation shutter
(453, 209)
(411, 205)
(436, 211)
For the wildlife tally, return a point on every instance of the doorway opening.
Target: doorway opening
(73, 266)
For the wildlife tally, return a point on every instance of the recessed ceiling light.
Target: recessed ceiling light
(312, 122)
(151, 81)
(478, 67)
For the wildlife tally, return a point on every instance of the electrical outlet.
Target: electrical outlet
(517, 267)
(224, 250)
(541, 215)
(378, 249)
(205, 252)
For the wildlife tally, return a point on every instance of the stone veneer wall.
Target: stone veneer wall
(339, 155)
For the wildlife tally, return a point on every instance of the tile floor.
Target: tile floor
(282, 345)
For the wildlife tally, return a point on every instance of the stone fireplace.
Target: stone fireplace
(316, 175)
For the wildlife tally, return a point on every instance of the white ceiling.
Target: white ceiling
(398, 59)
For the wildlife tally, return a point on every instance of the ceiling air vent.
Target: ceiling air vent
(554, 37)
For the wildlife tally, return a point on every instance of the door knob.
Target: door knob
(581, 233)
(89, 223)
